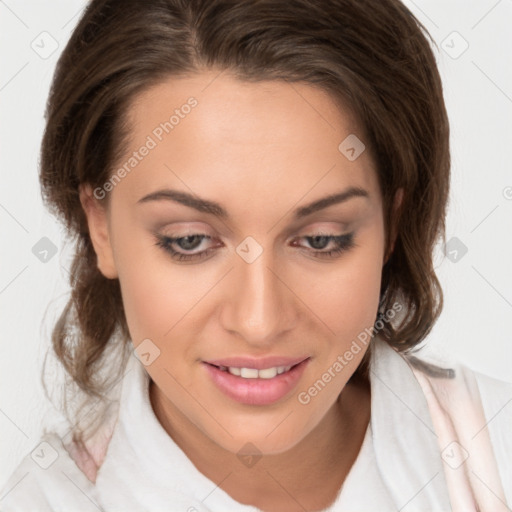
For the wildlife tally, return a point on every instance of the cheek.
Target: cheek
(156, 294)
(148, 312)
(346, 297)
(357, 297)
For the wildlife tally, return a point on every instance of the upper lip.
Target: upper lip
(257, 363)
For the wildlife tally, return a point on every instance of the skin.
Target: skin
(261, 150)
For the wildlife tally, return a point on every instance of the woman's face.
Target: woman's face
(266, 274)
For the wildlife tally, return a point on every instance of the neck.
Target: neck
(278, 482)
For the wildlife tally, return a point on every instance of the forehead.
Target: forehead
(218, 136)
(227, 105)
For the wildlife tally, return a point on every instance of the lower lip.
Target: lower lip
(256, 391)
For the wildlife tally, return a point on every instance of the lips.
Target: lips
(261, 382)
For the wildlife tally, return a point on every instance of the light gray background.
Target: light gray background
(475, 326)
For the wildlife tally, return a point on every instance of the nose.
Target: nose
(258, 306)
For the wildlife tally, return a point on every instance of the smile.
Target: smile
(256, 386)
(254, 373)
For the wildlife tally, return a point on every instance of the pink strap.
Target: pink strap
(89, 456)
(459, 420)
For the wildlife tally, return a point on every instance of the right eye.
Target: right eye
(186, 243)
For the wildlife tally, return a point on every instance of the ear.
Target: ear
(97, 221)
(397, 203)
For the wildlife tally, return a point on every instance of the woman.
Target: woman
(256, 189)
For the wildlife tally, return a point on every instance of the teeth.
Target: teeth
(249, 373)
(253, 373)
(267, 373)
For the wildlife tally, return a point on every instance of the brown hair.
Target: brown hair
(372, 56)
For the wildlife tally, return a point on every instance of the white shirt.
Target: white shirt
(400, 465)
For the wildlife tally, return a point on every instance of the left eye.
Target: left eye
(341, 243)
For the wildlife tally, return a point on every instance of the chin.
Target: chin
(266, 437)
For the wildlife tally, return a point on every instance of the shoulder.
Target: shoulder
(48, 479)
(452, 381)
(472, 403)
(496, 397)
(494, 392)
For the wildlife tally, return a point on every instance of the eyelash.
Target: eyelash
(343, 243)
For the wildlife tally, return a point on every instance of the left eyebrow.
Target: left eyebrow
(213, 208)
(325, 202)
